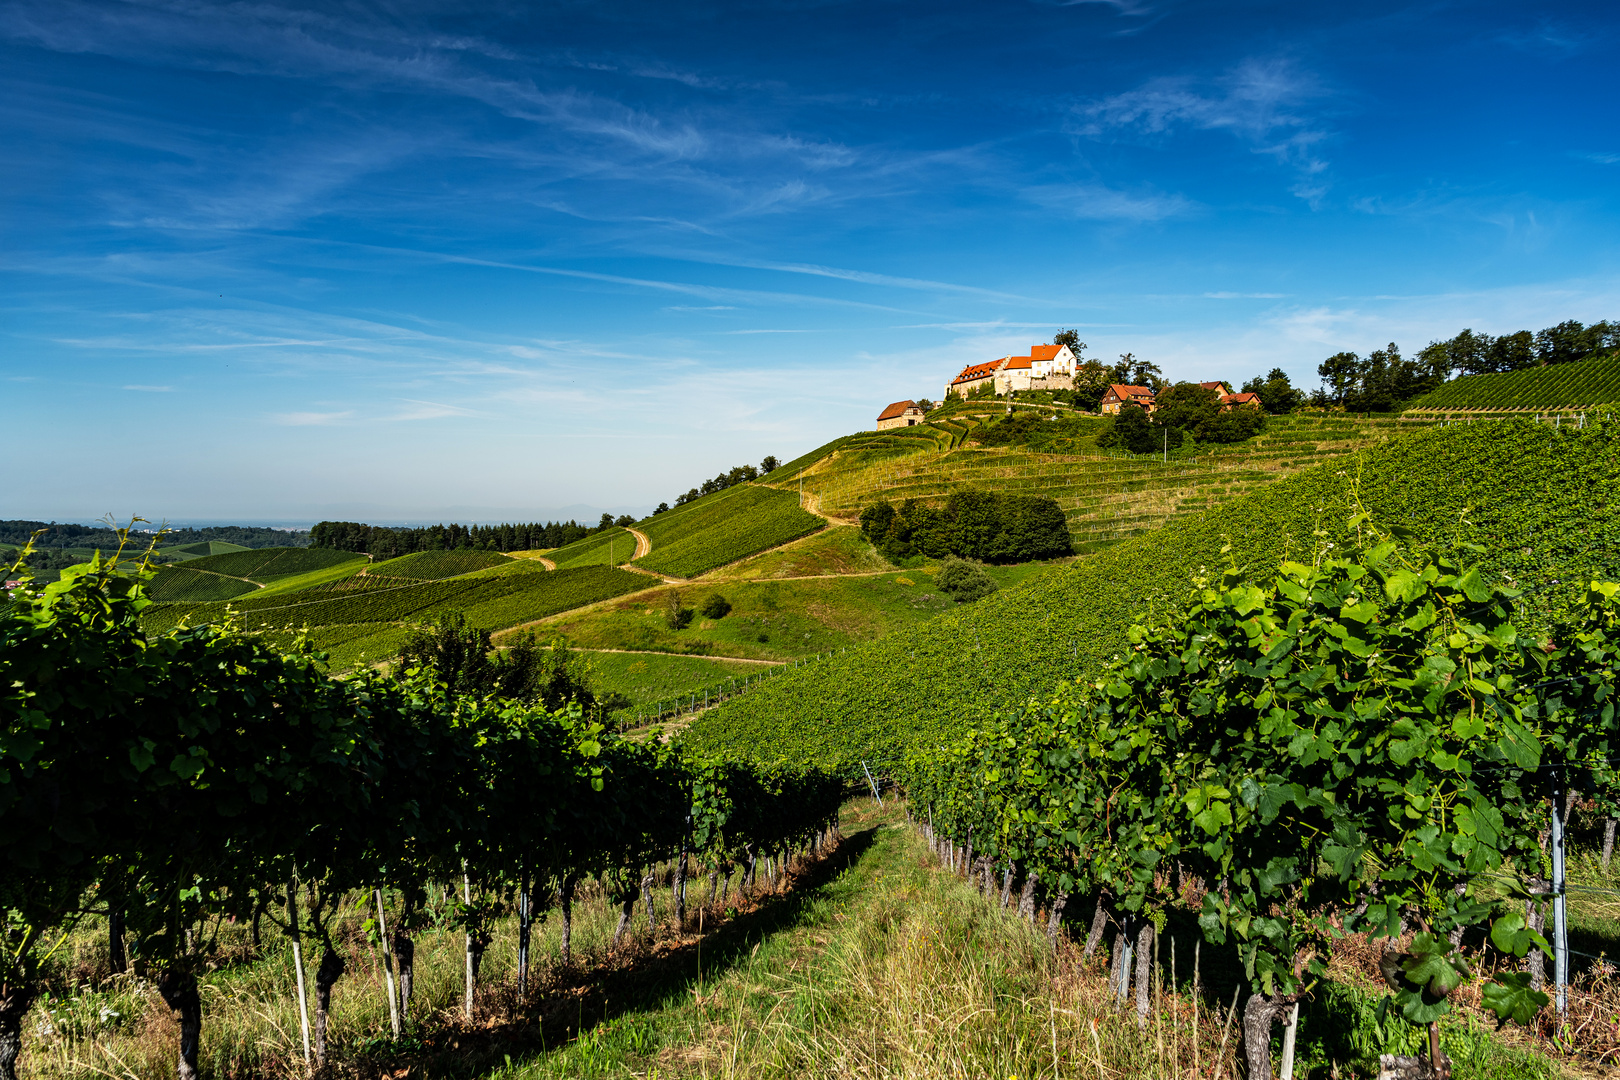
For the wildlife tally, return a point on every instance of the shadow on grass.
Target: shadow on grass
(569, 1002)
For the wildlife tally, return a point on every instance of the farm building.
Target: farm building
(900, 414)
(1119, 395)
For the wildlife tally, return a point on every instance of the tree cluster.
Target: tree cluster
(1277, 393)
(1184, 409)
(175, 781)
(737, 474)
(989, 526)
(1378, 382)
(550, 675)
(382, 542)
(1481, 354)
(1362, 744)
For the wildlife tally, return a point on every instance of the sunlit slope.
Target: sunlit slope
(240, 571)
(1589, 382)
(1536, 498)
(723, 527)
(610, 547)
(1106, 497)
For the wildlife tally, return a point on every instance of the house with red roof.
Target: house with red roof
(900, 414)
(1119, 395)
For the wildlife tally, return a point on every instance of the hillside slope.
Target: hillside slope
(723, 527)
(1106, 496)
(1537, 496)
(1588, 382)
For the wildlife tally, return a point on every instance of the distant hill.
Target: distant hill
(91, 537)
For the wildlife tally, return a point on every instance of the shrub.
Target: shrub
(964, 580)
(676, 617)
(715, 606)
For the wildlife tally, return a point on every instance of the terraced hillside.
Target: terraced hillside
(1538, 496)
(1556, 386)
(723, 527)
(1106, 497)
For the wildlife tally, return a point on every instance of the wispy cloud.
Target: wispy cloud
(1598, 158)
(1261, 102)
(1245, 295)
(429, 410)
(151, 389)
(1094, 202)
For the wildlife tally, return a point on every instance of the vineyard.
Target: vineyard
(202, 548)
(610, 547)
(1585, 382)
(434, 565)
(267, 564)
(274, 793)
(177, 584)
(1360, 745)
(1535, 496)
(492, 602)
(722, 528)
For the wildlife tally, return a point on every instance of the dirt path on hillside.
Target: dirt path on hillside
(643, 544)
(694, 656)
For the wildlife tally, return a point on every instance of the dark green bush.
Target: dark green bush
(964, 580)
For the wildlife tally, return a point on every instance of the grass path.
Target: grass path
(877, 964)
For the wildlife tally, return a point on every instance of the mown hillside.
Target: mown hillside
(1536, 498)
(1106, 496)
(1586, 382)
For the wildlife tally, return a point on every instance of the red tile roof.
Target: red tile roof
(1018, 361)
(897, 409)
(977, 371)
(1125, 393)
(1241, 399)
(1044, 352)
(1217, 386)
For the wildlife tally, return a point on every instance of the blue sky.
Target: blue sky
(396, 261)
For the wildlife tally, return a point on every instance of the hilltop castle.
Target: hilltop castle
(1047, 367)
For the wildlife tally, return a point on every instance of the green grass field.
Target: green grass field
(838, 550)
(722, 528)
(612, 547)
(436, 565)
(1588, 382)
(646, 678)
(774, 620)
